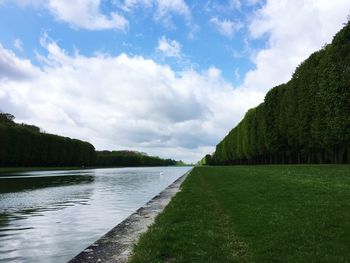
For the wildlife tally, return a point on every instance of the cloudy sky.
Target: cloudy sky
(167, 77)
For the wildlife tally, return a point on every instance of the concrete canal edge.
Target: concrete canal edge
(117, 244)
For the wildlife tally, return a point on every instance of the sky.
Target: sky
(167, 77)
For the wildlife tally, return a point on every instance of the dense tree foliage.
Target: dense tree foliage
(25, 145)
(130, 159)
(206, 160)
(306, 120)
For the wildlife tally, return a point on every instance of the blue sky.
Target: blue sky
(205, 41)
(169, 78)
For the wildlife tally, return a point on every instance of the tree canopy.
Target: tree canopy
(25, 145)
(306, 120)
(130, 159)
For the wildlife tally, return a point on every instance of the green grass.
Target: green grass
(284, 213)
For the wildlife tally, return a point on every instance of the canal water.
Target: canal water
(50, 216)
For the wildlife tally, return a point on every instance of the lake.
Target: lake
(50, 216)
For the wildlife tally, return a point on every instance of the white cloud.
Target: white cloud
(84, 14)
(226, 27)
(170, 48)
(18, 44)
(123, 102)
(12, 67)
(295, 29)
(126, 102)
(87, 14)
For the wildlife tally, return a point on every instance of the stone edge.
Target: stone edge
(118, 243)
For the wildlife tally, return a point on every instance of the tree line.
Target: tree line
(26, 145)
(130, 159)
(306, 120)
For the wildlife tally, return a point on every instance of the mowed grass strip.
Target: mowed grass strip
(254, 214)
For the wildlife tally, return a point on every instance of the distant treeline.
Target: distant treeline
(130, 158)
(306, 120)
(26, 145)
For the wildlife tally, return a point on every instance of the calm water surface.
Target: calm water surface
(51, 216)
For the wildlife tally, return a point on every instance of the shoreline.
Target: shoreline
(117, 244)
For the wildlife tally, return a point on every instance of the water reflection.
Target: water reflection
(51, 216)
(9, 184)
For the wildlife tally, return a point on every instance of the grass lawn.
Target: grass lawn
(289, 213)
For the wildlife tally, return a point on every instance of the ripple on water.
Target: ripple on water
(50, 216)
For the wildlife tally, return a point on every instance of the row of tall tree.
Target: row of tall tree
(130, 159)
(306, 120)
(26, 145)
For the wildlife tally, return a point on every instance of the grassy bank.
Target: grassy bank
(254, 214)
